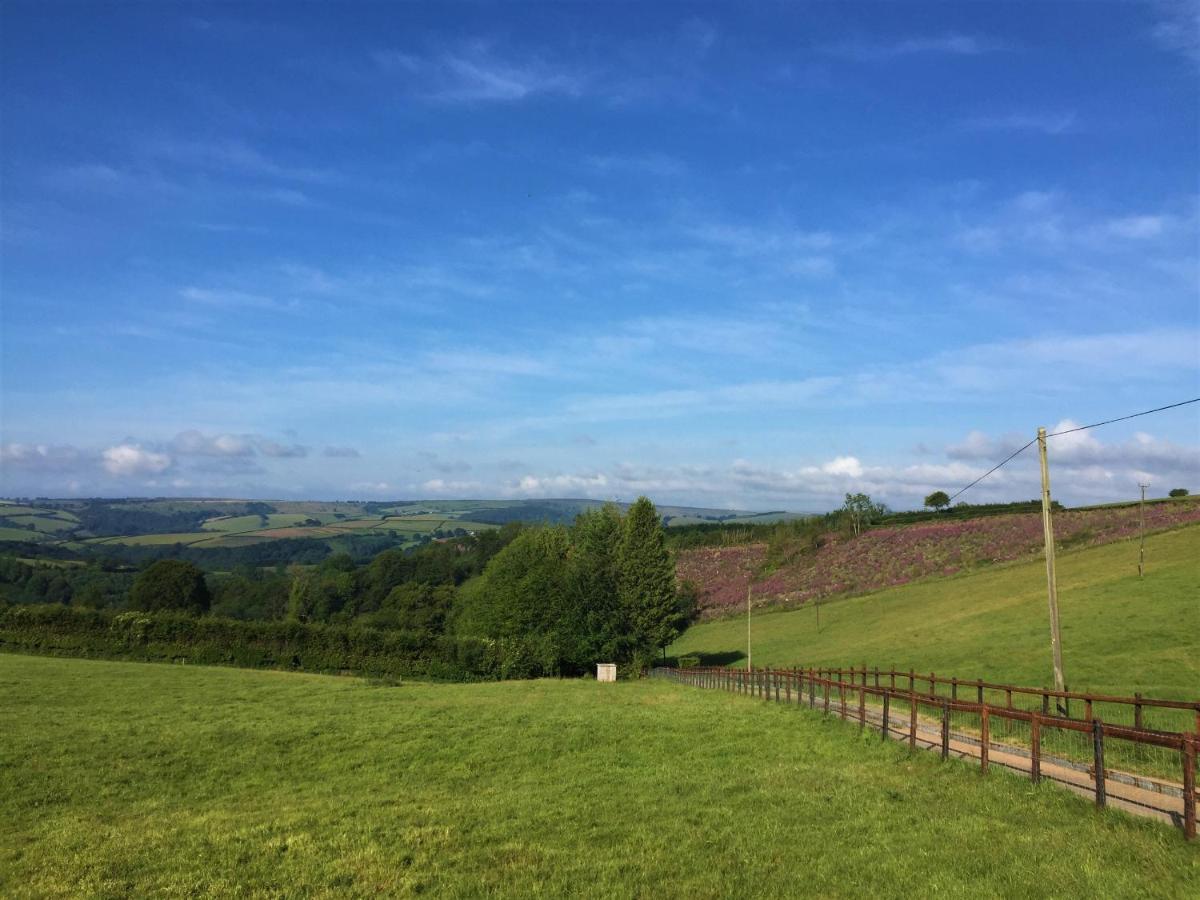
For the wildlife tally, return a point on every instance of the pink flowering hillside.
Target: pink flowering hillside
(885, 557)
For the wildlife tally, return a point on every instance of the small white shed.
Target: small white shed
(606, 671)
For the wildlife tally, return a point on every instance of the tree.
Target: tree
(937, 500)
(646, 579)
(171, 584)
(862, 511)
(1178, 492)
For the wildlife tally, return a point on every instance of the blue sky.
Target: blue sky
(746, 255)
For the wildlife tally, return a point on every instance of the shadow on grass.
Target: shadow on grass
(721, 658)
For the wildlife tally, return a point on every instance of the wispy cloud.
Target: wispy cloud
(476, 72)
(1039, 123)
(1177, 28)
(884, 51)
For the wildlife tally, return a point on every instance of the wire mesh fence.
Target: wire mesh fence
(1124, 763)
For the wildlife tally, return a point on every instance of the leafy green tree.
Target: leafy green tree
(171, 584)
(593, 584)
(522, 603)
(862, 512)
(937, 500)
(646, 579)
(1178, 492)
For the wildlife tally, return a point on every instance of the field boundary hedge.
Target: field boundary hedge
(52, 630)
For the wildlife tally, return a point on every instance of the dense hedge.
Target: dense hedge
(174, 637)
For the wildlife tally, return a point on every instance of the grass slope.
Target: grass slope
(124, 779)
(1120, 633)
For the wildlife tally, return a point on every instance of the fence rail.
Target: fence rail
(1131, 767)
(1134, 708)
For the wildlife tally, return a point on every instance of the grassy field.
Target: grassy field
(126, 779)
(1120, 633)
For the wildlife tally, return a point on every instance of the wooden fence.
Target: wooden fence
(1131, 767)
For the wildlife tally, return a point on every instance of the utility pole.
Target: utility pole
(1051, 582)
(749, 656)
(1142, 529)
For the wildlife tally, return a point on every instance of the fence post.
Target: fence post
(892, 675)
(887, 724)
(984, 738)
(787, 689)
(877, 676)
(932, 685)
(841, 700)
(945, 729)
(1137, 710)
(979, 688)
(812, 691)
(1008, 697)
(1189, 787)
(1087, 709)
(826, 683)
(912, 721)
(778, 676)
(1045, 703)
(953, 688)
(862, 709)
(1098, 760)
(1035, 748)
(912, 681)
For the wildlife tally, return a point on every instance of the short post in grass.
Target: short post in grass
(984, 738)
(953, 688)
(877, 676)
(1189, 786)
(979, 688)
(1137, 710)
(887, 722)
(912, 721)
(945, 729)
(1035, 748)
(1098, 761)
(932, 685)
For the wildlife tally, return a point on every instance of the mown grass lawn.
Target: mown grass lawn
(1121, 633)
(126, 779)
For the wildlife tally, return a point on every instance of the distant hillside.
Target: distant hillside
(796, 572)
(222, 533)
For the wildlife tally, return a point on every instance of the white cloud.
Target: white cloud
(476, 73)
(131, 459)
(193, 443)
(1042, 123)
(944, 45)
(1136, 227)
(41, 457)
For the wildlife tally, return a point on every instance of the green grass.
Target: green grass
(21, 534)
(125, 779)
(45, 524)
(253, 523)
(1120, 633)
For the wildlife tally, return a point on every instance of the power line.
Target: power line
(1123, 418)
(1021, 450)
(994, 468)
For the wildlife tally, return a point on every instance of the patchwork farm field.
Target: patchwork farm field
(126, 779)
(1121, 633)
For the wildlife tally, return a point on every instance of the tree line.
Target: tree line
(544, 600)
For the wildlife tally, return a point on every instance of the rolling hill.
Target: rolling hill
(1121, 633)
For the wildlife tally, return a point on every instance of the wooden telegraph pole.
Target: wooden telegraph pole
(749, 657)
(1051, 582)
(1142, 530)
